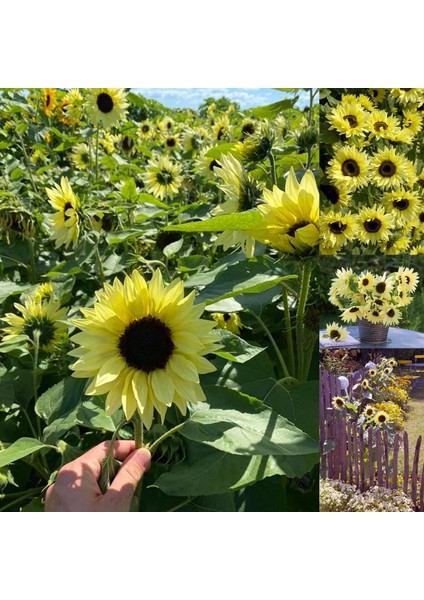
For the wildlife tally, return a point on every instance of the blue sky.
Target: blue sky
(192, 97)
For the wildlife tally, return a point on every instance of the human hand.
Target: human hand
(77, 490)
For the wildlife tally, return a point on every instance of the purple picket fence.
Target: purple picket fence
(366, 458)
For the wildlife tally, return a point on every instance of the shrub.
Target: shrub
(337, 496)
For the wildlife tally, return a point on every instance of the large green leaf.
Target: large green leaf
(246, 277)
(20, 449)
(208, 471)
(60, 399)
(264, 433)
(7, 288)
(243, 221)
(236, 348)
(92, 414)
(298, 403)
(273, 110)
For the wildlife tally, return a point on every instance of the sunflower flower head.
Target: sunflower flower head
(106, 106)
(229, 321)
(39, 320)
(290, 218)
(144, 346)
(65, 222)
(336, 332)
(48, 101)
(162, 177)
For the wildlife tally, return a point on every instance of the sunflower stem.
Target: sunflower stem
(163, 437)
(108, 467)
(273, 169)
(273, 343)
(99, 265)
(97, 153)
(288, 330)
(31, 266)
(304, 291)
(138, 430)
(28, 162)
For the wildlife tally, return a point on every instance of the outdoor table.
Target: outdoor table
(397, 338)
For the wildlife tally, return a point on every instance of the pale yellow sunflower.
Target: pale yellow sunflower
(106, 106)
(348, 118)
(41, 321)
(389, 169)
(243, 193)
(48, 101)
(144, 346)
(162, 177)
(349, 167)
(291, 218)
(65, 223)
(374, 224)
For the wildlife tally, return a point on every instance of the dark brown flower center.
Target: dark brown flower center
(365, 281)
(352, 120)
(391, 313)
(372, 225)
(401, 204)
(387, 168)
(146, 344)
(170, 142)
(334, 334)
(337, 227)
(331, 193)
(213, 164)
(104, 103)
(354, 309)
(381, 287)
(380, 125)
(65, 208)
(350, 168)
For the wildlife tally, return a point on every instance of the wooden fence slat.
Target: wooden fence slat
(386, 458)
(349, 449)
(371, 455)
(378, 453)
(396, 443)
(405, 462)
(362, 459)
(422, 491)
(342, 454)
(414, 477)
(356, 457)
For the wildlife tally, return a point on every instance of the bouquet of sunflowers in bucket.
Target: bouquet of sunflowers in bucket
(373, 176)
(371, 297)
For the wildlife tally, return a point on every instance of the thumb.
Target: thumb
(122, 489)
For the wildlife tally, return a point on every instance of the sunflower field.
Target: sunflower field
(157, 280)
(372, 159)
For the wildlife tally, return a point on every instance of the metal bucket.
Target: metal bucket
(373, 333)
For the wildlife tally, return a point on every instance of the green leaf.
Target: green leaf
(208, 471)
(217, 151)
(299, 404)
(129, 190)
(236, 348)
(273, 110)
(122, 236)
(92, 414)
(236, 222)
(264, 433)
(7, 288)
(60, 399)
(173, 248)
(150, 199)
(19, 449)
(246, 277)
